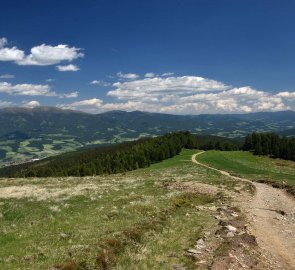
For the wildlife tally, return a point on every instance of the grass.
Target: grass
(182, 159)
(122, 221)
(281, 173)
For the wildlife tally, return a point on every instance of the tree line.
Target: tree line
(270, 144)
(106, 160)
(117, 158)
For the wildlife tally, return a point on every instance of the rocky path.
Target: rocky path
(271, 216)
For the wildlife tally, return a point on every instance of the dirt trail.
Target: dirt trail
(275, 233)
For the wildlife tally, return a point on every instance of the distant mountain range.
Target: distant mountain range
(43, 131)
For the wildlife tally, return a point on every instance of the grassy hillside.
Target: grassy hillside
(257, 168)
(128, 221)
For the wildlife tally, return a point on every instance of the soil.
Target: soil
(271, 219)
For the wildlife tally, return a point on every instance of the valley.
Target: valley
(28, 134)
(147, 135)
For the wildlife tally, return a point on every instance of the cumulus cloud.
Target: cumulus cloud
(4, 104)
(149, 75)
(166, 74)
(45, 55)
(186, 95)
(96, 105)
(27, 89)
(286, 95)
(160, 87)
(11, 54)
(236, 100)
(128, 76)
(70, 67)
(93, 102)
(7, 76)
(99, 82)
(41, 55)
(70, 95)
(90, 105)
(31, 104)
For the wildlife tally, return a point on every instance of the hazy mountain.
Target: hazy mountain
(43, 131)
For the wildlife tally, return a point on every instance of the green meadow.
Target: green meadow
(257, 168)
(124, 221)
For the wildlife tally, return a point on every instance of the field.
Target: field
(144, 219)
(257, 168)
(24, 150)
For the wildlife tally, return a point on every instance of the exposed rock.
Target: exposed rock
(200, 244)
(230, 235)
(212, 208)
(194, 251)
(223, 222)
(222, 208)
(231, 228)
(64, 235)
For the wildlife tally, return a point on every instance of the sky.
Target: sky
(167, 56)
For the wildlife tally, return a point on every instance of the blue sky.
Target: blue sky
(172, 56)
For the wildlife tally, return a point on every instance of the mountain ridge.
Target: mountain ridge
(57, 109)
(44, 131)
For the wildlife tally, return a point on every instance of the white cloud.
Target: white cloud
(31, 104)
(166, 74)
(152, 74)
(70, 95)
(42, 55)
(99, 82)
(50, 80)
(160, 87)
(128, 76)
(3, 42)
(89, 105)
(286, 95)
(149, 75)
(26, 89)
(4, 104)
(95, 82)
(70, 67)
(93, 102)
(11, 54)
(235, 100)
(186, 95)
(7, 76)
